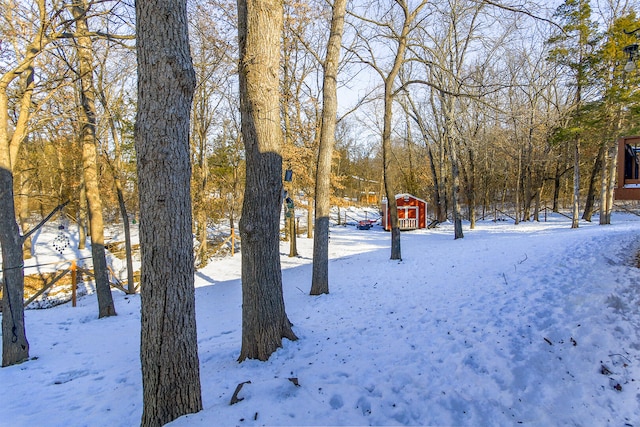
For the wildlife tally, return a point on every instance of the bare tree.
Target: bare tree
(214, 69)
(114, 107)
(399, 36)
(572, 48)
(320, 274)
(264, 321)
(87, 116)
(15, 347)
(166, 81)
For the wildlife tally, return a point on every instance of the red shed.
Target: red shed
(412, 212)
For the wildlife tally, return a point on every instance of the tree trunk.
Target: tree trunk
(440, 205)
(455, 191)
(389, 186)
(82, 215)
(87, 118)
(448, 105)
(575, 217)
(309, 217)
(607, 183)
(293, 243)
(320, 273)
(166, 82)
(15, 347)
(471, 189)
(293, 235)
(387, 155)
(604, 185)
(264, 321)
(593, 183)
(131, 286)
(116, 168)
(23, 211)
(518, 186)
(536, 211)
(611, 181)
(556, 187)
(440, 214)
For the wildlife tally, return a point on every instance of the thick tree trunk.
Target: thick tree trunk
(166, 82)
(264, 321)
(320, 273)
(15, 347)
(87, 116)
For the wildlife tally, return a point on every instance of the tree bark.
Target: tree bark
(455, 191)
(387, 155)
(82, 215)
(264, 321)
(166, 82)
(87, 118)
(593, 182)
(23, 210)
(131, 286)
(471, 188)
(320, 273)
(310, 208)
(439, 207)
(15, 347)
(575, 217)
(116, 170)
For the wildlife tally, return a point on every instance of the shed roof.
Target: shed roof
(402, 195)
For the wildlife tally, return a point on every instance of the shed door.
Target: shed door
(408, 217)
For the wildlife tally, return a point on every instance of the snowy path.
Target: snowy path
(509, 326)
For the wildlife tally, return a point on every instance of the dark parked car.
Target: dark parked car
(364, 225)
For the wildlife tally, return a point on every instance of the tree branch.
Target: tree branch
(44, 221)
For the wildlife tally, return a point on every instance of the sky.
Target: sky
(533, 324)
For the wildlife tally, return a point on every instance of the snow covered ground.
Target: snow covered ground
(535, 324)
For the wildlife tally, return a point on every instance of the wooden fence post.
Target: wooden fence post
(74, 282)
(233, 242)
